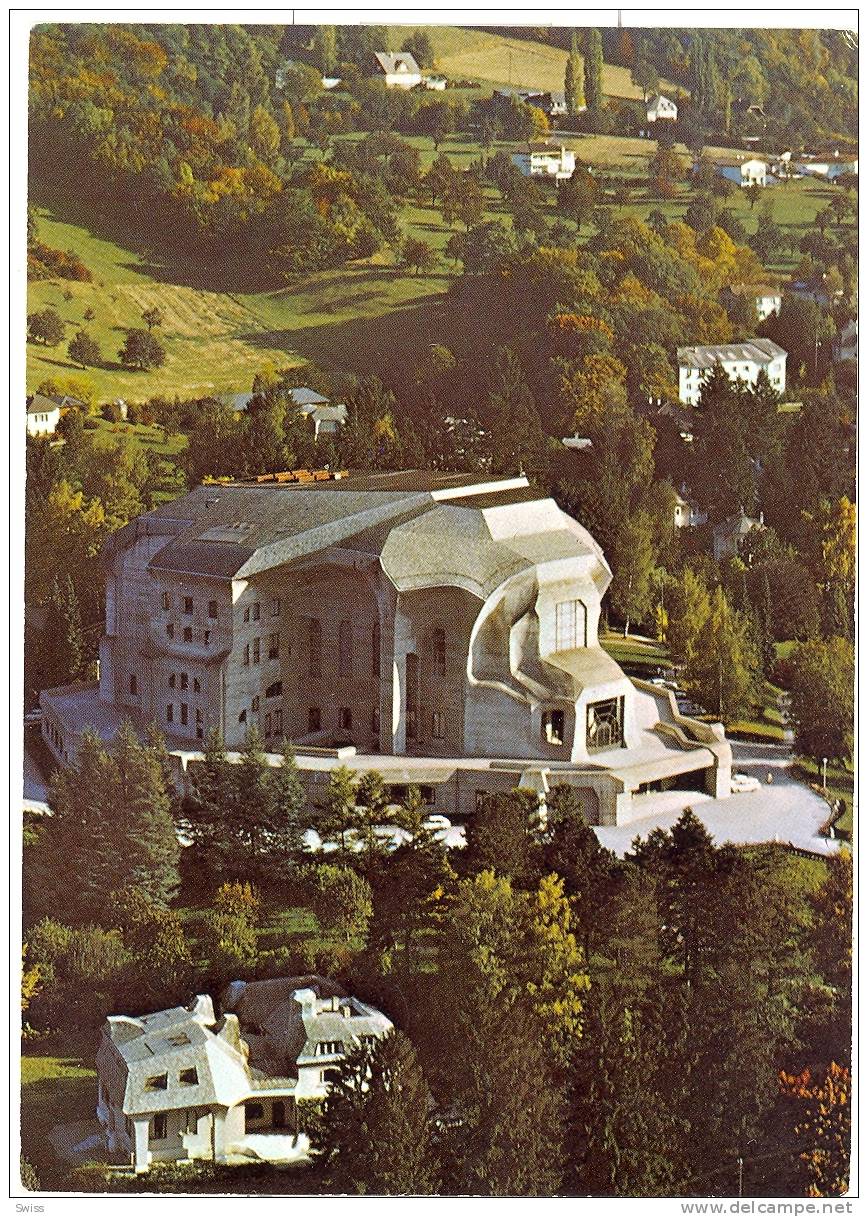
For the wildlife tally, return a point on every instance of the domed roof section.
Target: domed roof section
(478, 548)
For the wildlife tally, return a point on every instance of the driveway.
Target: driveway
(784, 811)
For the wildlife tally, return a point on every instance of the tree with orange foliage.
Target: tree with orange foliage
(823, 1121)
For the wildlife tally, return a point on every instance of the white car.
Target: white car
(743, 783)
(435, 821)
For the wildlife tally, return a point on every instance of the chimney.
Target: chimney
(306, 998)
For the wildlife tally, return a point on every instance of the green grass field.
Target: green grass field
(494, 59)
(58, 1084)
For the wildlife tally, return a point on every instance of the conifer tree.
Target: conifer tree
(376, 1132)
(111, 825)
(594, 72)
(573, 81)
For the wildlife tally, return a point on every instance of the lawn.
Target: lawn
(495, 59)
(839, 785)
(58, 1084)
(638, 656)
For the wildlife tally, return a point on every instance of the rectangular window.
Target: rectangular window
(160, 1126)
(167, 602)
(184, 712)
(254, 611)
(247, 614)
(253, 1111)
(278, 722)
(553, 726)
(134, 689)
(256, 650)
(605, 724)
(570, 625)
(188, 605)
(273, 646)
(345, 648)
(439, 640)
(212, 608)
(437, 725)
(314, 719)
(375, 649)
(275, 608)
(159, 1081)
(345, 718)
(173, 680)
(185, 680)
(197, 688)
(191, 1122)
(188, 1077)
(170, 630)
(206, 637)
(246, 653)
(188, 633)
(170, 712)
(314, 647)
(275, 689)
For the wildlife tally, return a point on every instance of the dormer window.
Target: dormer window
(160, 1081)
(188, 1077)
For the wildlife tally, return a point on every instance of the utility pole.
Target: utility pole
(740, 1175)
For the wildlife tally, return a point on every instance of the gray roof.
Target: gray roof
(738, 525)
(238, 530)
(40, 404)
(303, 396)
(395, 62)
(753, 350)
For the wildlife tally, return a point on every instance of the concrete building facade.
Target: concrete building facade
(437, 628)
(182, 1084)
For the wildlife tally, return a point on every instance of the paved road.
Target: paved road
(785, 811)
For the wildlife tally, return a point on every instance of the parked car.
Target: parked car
(743, 783)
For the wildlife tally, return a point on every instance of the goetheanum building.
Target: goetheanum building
(437, 627)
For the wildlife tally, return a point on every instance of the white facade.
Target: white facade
(741, 361)
(661, 107)
(766, 304)
(42, 417)
(399, 71)
(559, 163)
(437, 83)
(745, 173)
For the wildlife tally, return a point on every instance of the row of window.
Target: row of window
(187, 605)
(253, 649)
(184, 717)
(187, 633)
(252, 611)
(182, 680)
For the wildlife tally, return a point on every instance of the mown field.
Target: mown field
(494, 59)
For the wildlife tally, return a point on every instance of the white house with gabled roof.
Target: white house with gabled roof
(660, 107)
(398, 70)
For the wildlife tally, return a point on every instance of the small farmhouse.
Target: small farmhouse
(729, 535)
(752, 172)
(740, 360)
(660, 107)
(544, 160)
(398, 71)
(183, 1084)
(43, 415)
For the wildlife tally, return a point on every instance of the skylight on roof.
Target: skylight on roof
(159, 1082)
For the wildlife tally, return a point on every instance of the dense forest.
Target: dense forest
(568, 1023)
